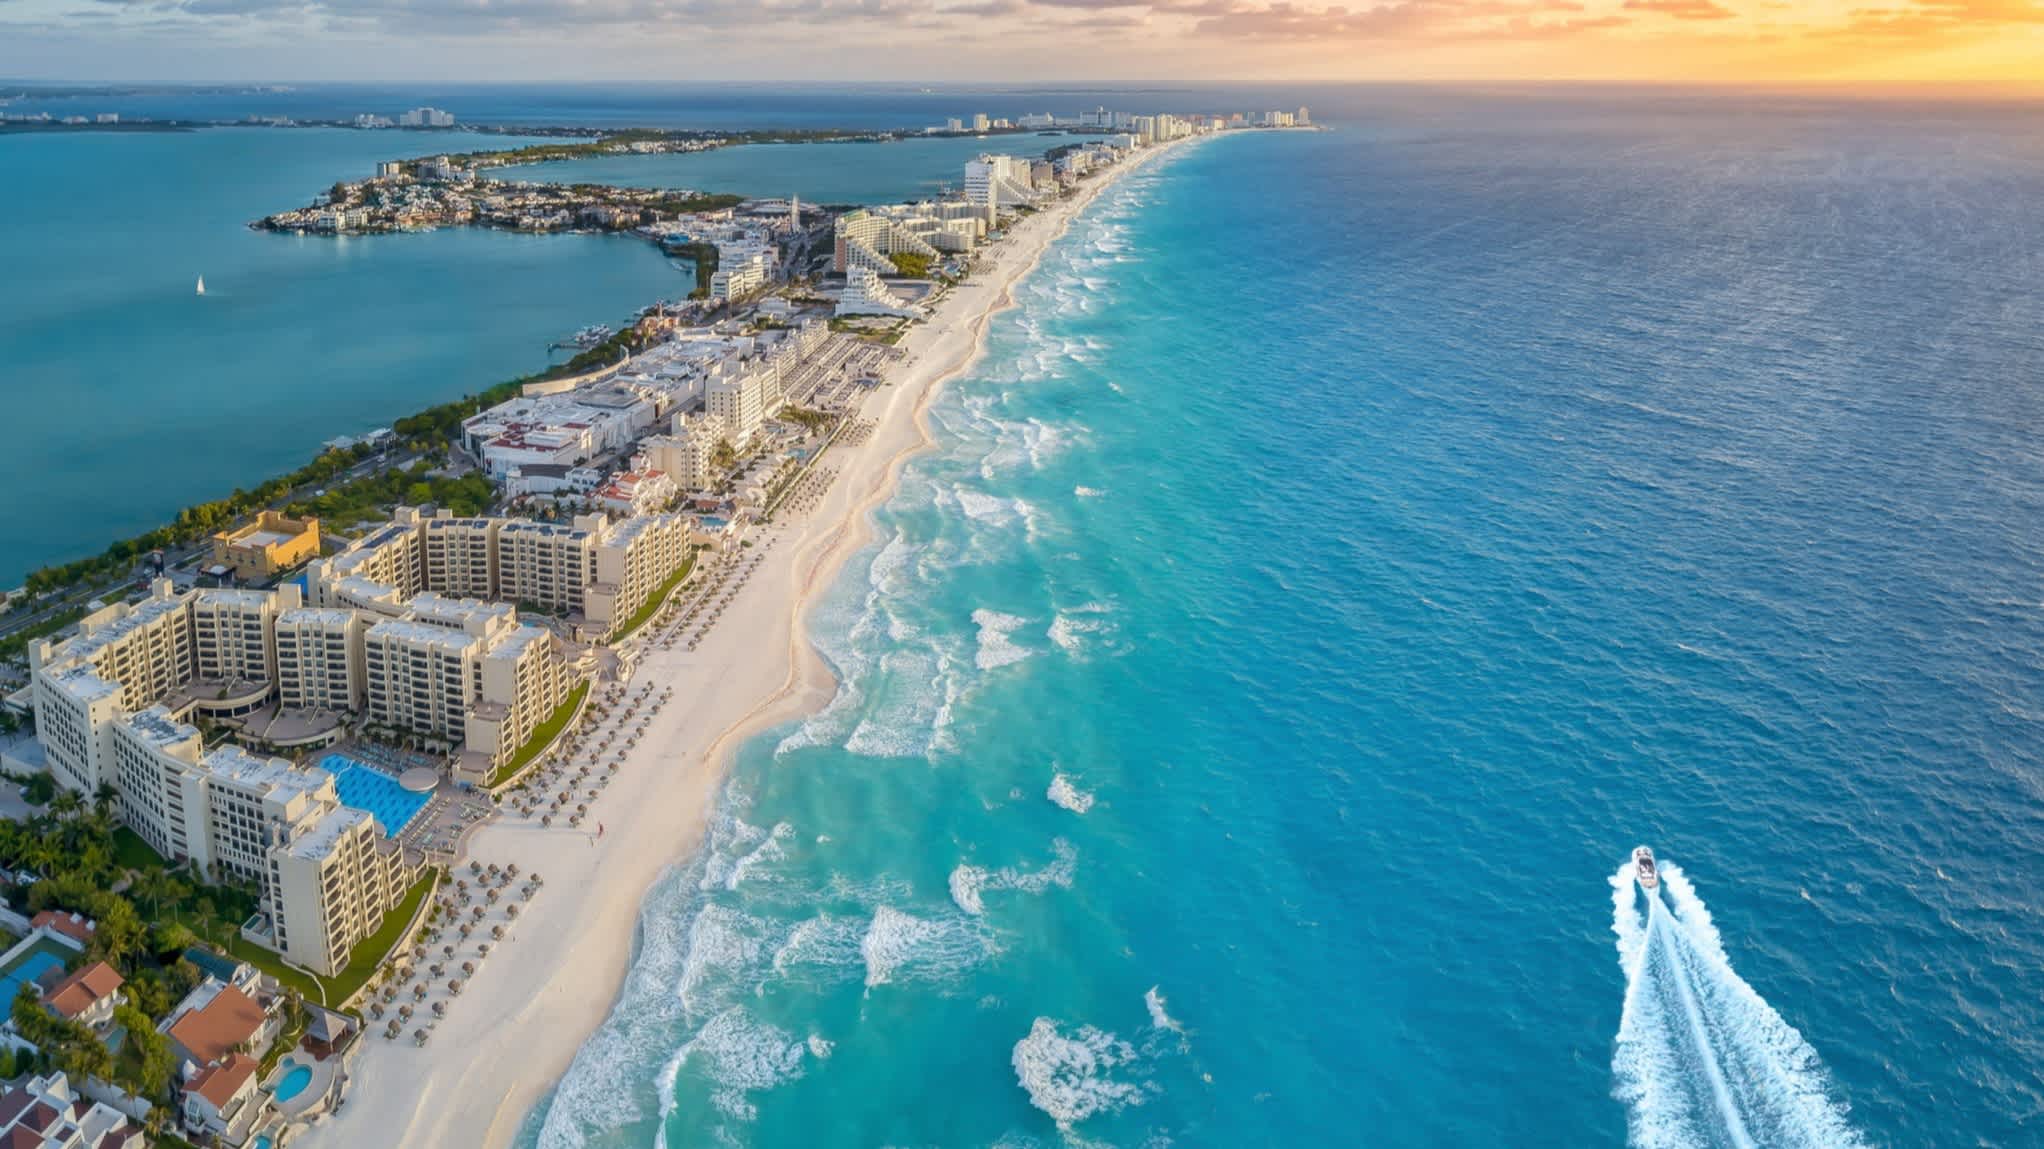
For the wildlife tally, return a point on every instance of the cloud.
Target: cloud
(1400, 20)
(1933, 18)
(1682, 9)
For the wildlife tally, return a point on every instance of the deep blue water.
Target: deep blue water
(1371, 537)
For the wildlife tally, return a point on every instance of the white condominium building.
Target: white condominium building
(637, 556)
(234, 647)
(326, 871)
(419, 678)
(319, 659)
(685, 456)
(212, 648)
(520, 681)
(333, 877)
(461, 670)
(742, 399)
(392, 555)
(738, 275)
(547, 565)
(865, 294)
(145, 647)
(866, 238)
(999, 181)
(461, 556)
(75, 710)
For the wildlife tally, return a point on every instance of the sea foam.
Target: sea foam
(1070, 1077)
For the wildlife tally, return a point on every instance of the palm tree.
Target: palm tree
(103, 799)
(66, 803)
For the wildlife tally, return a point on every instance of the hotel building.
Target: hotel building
(326, 871)
(270, 545)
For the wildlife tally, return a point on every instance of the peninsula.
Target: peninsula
(437, 716)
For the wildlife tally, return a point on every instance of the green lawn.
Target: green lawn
(653, 602)
(132, 853)
(332, 991)
(543, 736)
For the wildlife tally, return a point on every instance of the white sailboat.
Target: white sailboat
(202, 285)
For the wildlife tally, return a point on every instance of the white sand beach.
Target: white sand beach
(528, 1009)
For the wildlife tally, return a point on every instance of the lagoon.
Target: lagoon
(837, 171)
(129, 396)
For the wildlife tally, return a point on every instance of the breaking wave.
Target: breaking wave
(996, 648)
(1063, 793)
(1071, 1076)
(969, 883)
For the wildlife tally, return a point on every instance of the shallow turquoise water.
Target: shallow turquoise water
(131, 397)
(853, 172)
(1324, 582)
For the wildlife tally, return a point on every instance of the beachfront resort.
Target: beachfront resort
(239, 848)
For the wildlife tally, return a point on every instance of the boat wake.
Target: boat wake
(1702, 1061)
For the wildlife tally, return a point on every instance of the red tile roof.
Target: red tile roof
(70, 925)
(82, 989)
(212, 1032)
(219, 1083)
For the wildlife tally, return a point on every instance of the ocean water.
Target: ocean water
(885, 172)
(129, 396)
(1350, 547)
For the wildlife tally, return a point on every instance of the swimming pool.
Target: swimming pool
(370, 789)
(293, 1083)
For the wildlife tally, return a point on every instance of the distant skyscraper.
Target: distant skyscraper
(979, 122)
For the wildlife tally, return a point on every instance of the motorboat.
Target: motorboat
(1643, 870)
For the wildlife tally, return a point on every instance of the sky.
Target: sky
(1910, 44)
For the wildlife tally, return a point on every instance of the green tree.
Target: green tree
(147, 1069)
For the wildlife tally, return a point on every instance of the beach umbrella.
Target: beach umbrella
(454, 985)
(511, 911)
(404, 1011)
(469, 968)
(439, 1009)
(419, 1036)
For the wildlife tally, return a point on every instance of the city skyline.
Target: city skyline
(1973, 44)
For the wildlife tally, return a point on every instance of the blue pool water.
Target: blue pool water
(294, 1082)
(31, 966)
(370, 789)
(1348, 549)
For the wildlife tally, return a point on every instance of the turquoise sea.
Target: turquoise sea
(130, 396)
(1351, 546)
(825, 172)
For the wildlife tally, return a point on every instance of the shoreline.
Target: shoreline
(529, 1010)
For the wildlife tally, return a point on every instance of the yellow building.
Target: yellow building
(274, 543)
